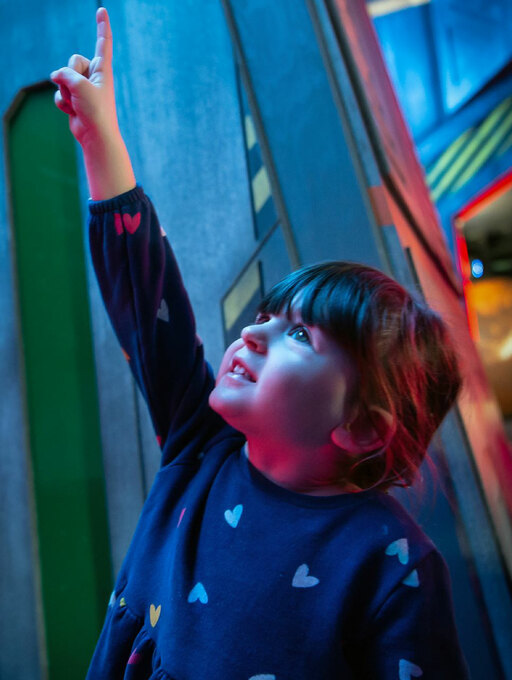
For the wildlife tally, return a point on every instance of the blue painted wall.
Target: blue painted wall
(450, 66)
(441, 54)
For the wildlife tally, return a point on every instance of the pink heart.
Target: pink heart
(131, 223)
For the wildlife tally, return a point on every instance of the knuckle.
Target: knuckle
(75, 60)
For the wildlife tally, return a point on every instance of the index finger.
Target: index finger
(103, 35)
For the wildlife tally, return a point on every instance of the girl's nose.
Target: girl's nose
(255, 338)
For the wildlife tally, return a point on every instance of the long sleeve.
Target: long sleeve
(149, 309)
(413, 634)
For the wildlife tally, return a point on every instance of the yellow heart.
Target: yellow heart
(154, 614)
(122, 602)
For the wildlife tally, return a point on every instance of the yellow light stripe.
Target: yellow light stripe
(381, 7)
(446, 157)
(506, 146)
(485, 152)
(238, 298)
(261, 188)
(479, 136)
(250, 132)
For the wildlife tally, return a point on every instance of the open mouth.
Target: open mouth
(238, 369)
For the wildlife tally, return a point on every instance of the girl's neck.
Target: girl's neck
(290, 474)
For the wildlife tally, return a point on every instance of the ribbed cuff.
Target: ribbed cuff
(98, 207)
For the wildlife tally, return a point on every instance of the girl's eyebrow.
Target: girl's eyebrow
(295, 315)
(294, 311)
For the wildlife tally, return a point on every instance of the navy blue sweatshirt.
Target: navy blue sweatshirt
(230, 576)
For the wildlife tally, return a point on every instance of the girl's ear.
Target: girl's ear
(360, 434)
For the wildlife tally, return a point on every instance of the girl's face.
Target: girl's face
(283, 381)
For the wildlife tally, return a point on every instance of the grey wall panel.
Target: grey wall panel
(481, 537)
(32, 45)
(274, 259)
(179, 113)
(311, 156)
(344, 96)
(19, 591)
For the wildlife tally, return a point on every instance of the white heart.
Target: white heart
(412, 579)
(400, 548)
(408, 670)
(302, 580)
(163, 311)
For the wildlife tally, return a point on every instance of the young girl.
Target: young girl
(268, 548)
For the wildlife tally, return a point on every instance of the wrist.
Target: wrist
(107, 164)
(100, 139)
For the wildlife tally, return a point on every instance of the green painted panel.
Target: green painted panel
(61, 397)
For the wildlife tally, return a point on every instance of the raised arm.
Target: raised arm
(136, 270)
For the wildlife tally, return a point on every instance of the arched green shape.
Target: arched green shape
(62, 418)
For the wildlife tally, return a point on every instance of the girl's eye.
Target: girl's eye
(300, 334)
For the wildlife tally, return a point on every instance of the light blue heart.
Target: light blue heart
(265, 676)
(232, 517)
(302, 580)
(412, 580)
(163, 311)
(400, 548)
(408, 670)
(198, 593)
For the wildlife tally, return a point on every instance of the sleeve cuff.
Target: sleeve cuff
(99, 207)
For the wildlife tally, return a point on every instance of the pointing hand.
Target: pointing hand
(86, 88)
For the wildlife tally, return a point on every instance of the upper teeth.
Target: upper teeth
(241, 370)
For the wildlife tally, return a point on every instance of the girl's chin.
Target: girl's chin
(225, 408)
(217, 403)
(213, 401)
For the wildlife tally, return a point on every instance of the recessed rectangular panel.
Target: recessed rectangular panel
(240, 304)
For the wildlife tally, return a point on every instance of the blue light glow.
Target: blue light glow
(477, 268)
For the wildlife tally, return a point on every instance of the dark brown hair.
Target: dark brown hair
(405, 360)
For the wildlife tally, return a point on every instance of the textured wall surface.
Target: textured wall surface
(179, 113)
(32, 42)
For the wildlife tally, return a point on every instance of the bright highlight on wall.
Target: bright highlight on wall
(379, 8)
